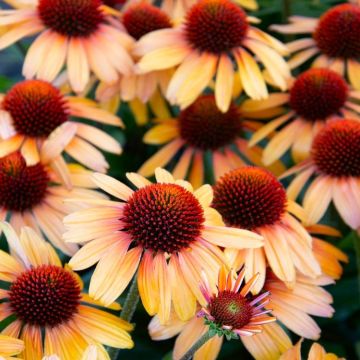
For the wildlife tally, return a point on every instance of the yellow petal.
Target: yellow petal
(161, 158)
(105, 328)
(231, 237)
(112, 186)
(224, 83)
(162, 133)
(354, 73)
(184, 301)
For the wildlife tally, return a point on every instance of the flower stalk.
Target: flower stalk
(131, 301)
(286, 9)
(356, 238)
(127, 313)
(195, 347)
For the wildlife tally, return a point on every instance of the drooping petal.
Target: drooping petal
(278, 254)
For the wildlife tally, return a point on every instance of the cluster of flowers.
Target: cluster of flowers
(232, 260)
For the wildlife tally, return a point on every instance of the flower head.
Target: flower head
(252, 198)
(198, 130)
(168, 211)
(333, 40)
(36, 303)
(229, 22)
(165, 229)
(211, 34)
(335, 150)
(337, 30)
(34, 195)
(203, 126)
(37, 119)
(80, 34)
(140, 19)
(36, 108)
(56, 15)
(46, 302)
(334, 162)
(22, 187)
(231, 310)
(316, 96)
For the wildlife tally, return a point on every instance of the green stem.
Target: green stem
(131, 301)
(286, 9)
(191, 352)
(113, 353)
(357, 253)
(130, 305)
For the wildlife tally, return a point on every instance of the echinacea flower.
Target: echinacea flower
(334, 40)
(316, 96)
(36, 118)
(252, 198)
(199, 130)
(10, 346)
(214, 35)
(33, 195)
(294, 307)
(48, 310)
(142, 18)
(78, 34)
(317, 352)
(230, 312)
(138, 20)
(335, 167)
(166, 231)
(269, 344)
